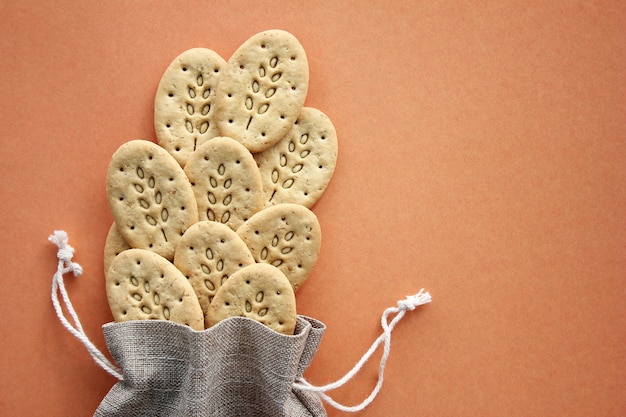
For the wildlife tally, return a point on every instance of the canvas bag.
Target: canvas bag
(238, 367)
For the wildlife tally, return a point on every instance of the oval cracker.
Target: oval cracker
(260, 292)
(207, 254)
(299, 167)
(142, 285)
(287, 236)
(226, 182)
(113, 245)
(184, 102)
(262, 89)
(150, 197)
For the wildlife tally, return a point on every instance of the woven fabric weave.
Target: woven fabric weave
(237, 368)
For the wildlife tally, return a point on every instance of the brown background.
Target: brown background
(482, 156)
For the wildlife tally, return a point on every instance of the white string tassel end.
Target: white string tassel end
(408, 304)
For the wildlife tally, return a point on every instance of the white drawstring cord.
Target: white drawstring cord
(65, 265)
(409, 303)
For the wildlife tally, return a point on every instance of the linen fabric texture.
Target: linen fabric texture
(238, 367)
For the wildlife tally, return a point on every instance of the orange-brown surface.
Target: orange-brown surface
(482, 155)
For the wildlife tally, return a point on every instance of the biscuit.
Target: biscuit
(260, 292)
(150, 197)
(183, 104)
(287, 236)
(299, 167)
(142, 285)
(113, 246)
(262, 89)
(226, 182)
(207, 254)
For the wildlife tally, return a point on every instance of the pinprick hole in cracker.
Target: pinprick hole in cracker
(184, 68)
(170, 95)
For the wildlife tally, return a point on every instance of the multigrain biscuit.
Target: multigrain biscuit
(287, 236)
(260, 292)
(226, 182)
(150, 197)
(113, 245)
(142, 285)
(299, 167)
(183, 104)
(207, 254)
(262, 89)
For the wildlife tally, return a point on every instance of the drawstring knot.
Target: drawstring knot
(65, 255)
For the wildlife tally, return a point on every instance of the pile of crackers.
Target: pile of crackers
(214, 220)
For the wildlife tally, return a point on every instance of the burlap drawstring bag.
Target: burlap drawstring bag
(238, 367)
